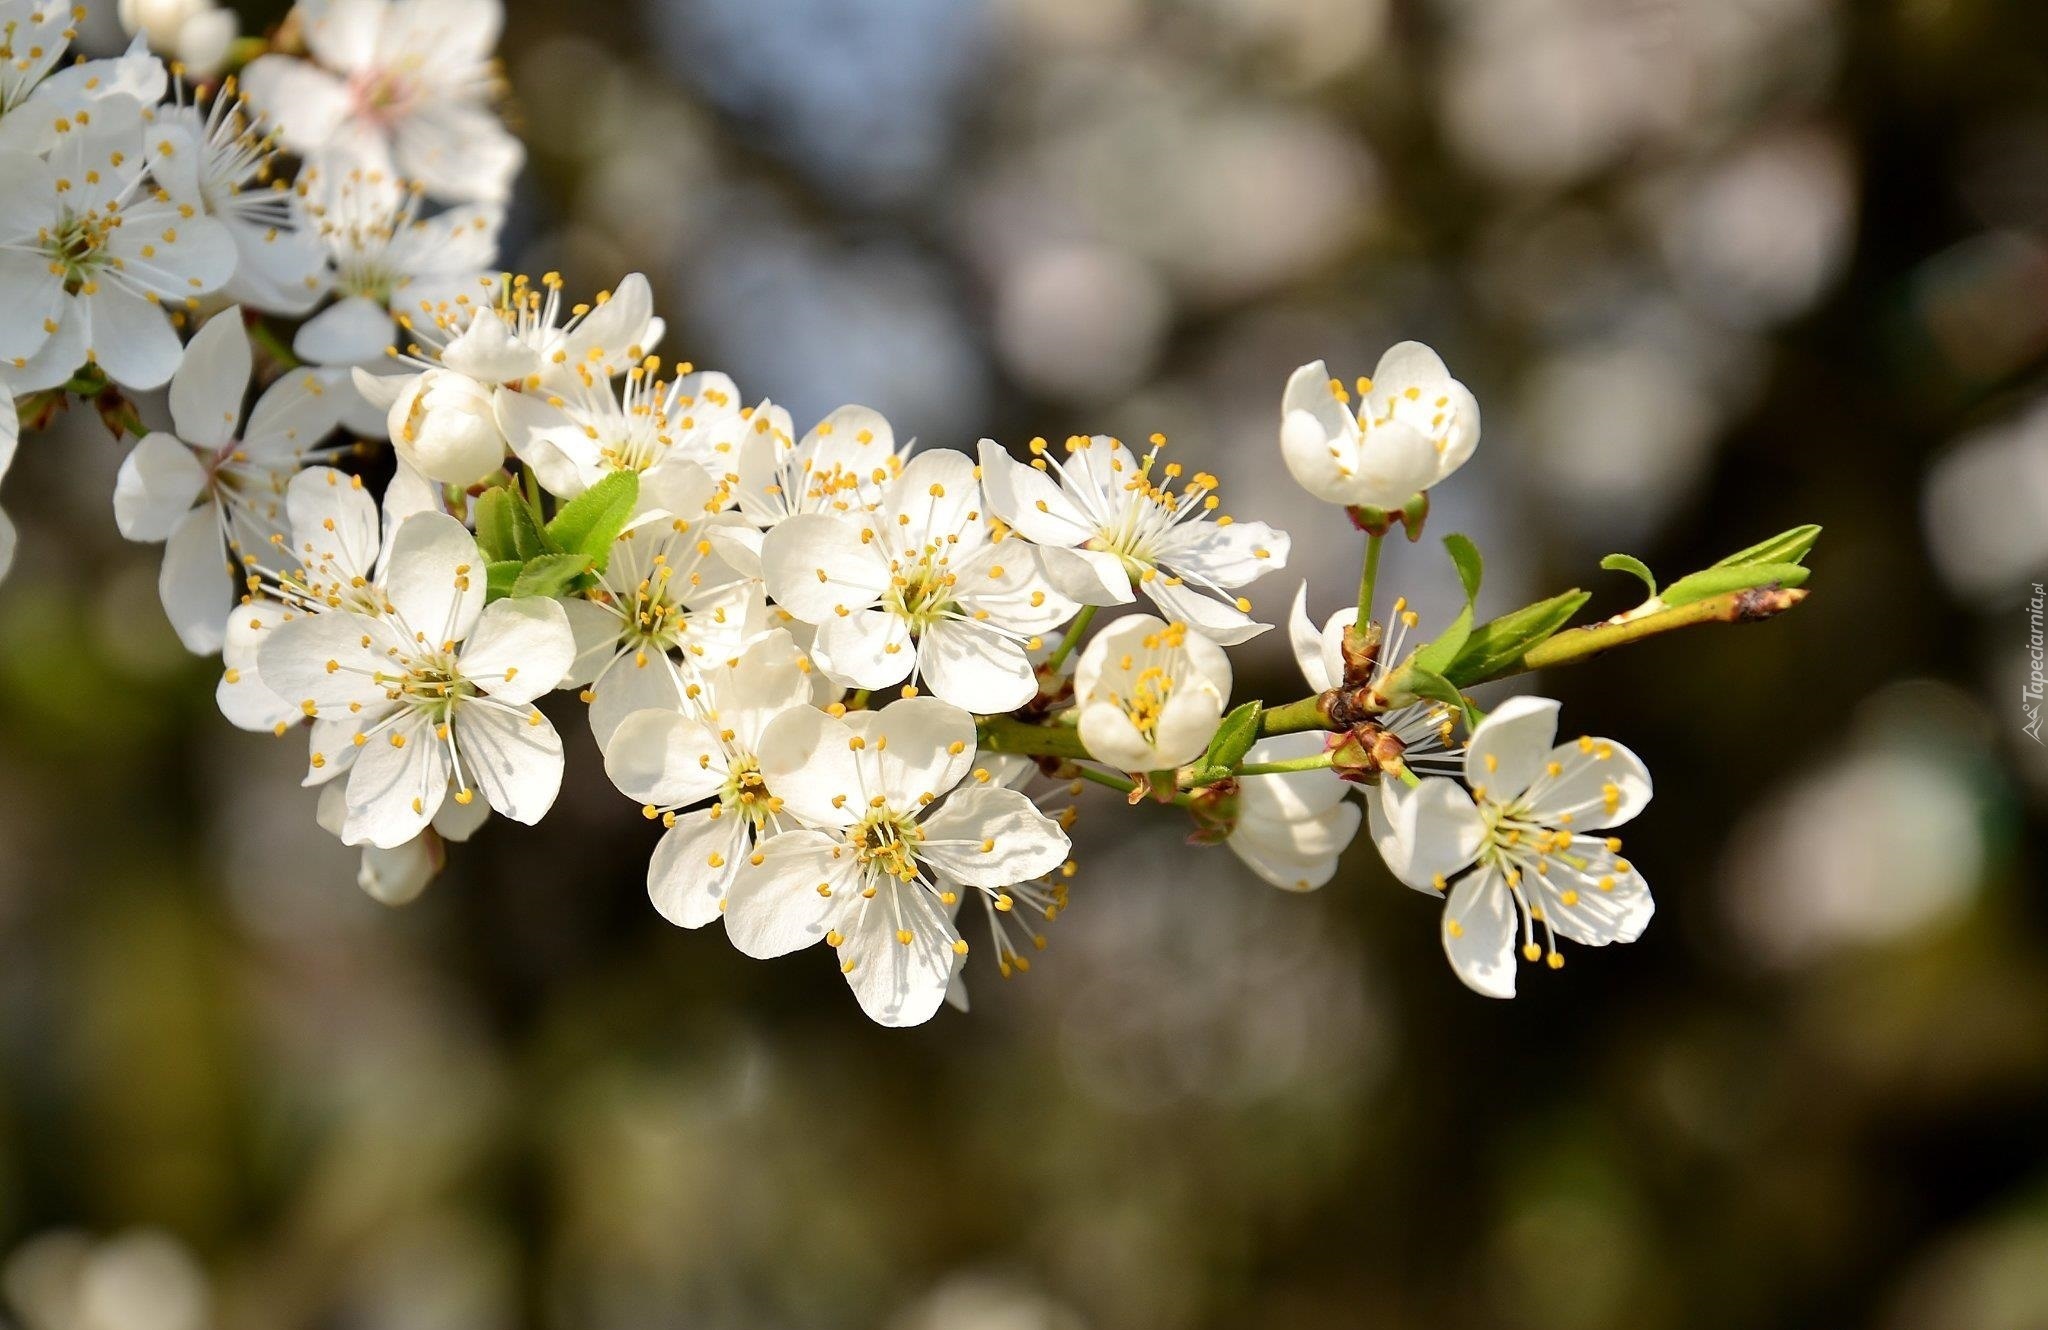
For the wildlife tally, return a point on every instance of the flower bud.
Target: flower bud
(446, 424)
(1152, 693)
(1365, 751)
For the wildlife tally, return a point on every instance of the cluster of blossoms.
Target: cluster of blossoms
(857, 684)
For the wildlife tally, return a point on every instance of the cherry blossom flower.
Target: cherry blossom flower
(575, 436)
(195, 33)
(885, 816)
(1152, 693)
(216, 156)
(1111, 525)
(41, 97)
(404, 84)
(435, 694)
(924, 588)
(1520, 844)
(214, 490)
(91, 255)
(707, 753)
(1413, 425)
(665, 603)
(1425, 729)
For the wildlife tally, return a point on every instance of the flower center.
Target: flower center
(886, 840)
(429, 683)
(746, 792)
(923, 595)
(76, 248)
(382, 95)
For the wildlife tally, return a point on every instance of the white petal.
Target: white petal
(129, 338)
(1307, 641)
(814, 564)
(305, 103)
(292, 417)
(460, 153)
(207, 390)
(436, 578)
(197, 583)
(1594, 908)
(1219, 621)
(520, 649)
(1297, 856)
(394, 790)
(1599, 784)
(158, 484)
(514, 761)
(1510, 747)
(776, 906)
(1479, 930)
(617, 333)
(1109, 736)
(918, 748)
(244, 698)
(294, 657)
(975, 667)
(636, 681)
(334, 522)
(1425, 832)
(868, 648)
(665, 759)
(900, 984)
(355, 331)
(990, 837)
(399, 875)
(682, 880)
(34, 299)
(488, 352)
(940, 495)
(1030, 501)
(1224, 556)
(808, 760)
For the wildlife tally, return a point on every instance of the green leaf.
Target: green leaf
(1470, 566)
(1234, 738)
(501, 576)
(507, 529)
(1497, 644)
(1438, 655)
(1719, 581)
(1786, 547)
(1629, 563)
(590, 522)
(556, 575)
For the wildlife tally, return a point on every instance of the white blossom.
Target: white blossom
(1411, 427)
(431, 699)
(385, 265)
(1425, 729)
(925, 588)
(887, 823)
(1516, 852)
(574, 436)
(92, 258)
(195, 33)
(41, 97)
(1151, 693)
(697, 767)
(218, 157)
(404, 84)
(214, 491)
(1112, 525)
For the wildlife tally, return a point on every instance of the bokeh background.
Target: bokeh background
(1713, 267)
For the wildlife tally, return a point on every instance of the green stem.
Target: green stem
(265, 336)
(1369, 576)
(1059, 655)
(1577, 644)
(1294, 717)
(858, 700)
(1007, 734)
(1123, 784)
(1316, 762)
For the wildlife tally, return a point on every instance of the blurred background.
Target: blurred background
(1713, 267)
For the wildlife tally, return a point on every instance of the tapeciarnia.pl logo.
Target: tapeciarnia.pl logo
(2037, 663)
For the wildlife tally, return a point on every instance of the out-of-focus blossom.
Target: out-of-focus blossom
(984, 1302)
(1983, 507)
(1079, 319)
(1883, 842)
(141, 1280)
(405, 85)
(195, 33)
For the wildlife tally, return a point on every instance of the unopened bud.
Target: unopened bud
(1366, 751)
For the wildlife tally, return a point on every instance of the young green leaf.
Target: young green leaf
(506, 527)
(556, 575)
(501, 575)
(591, 521)
(1496, 645)
(1470, 566)
(1719, 581)
(1629, 563)
(1786, 547)
(1234, 738)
